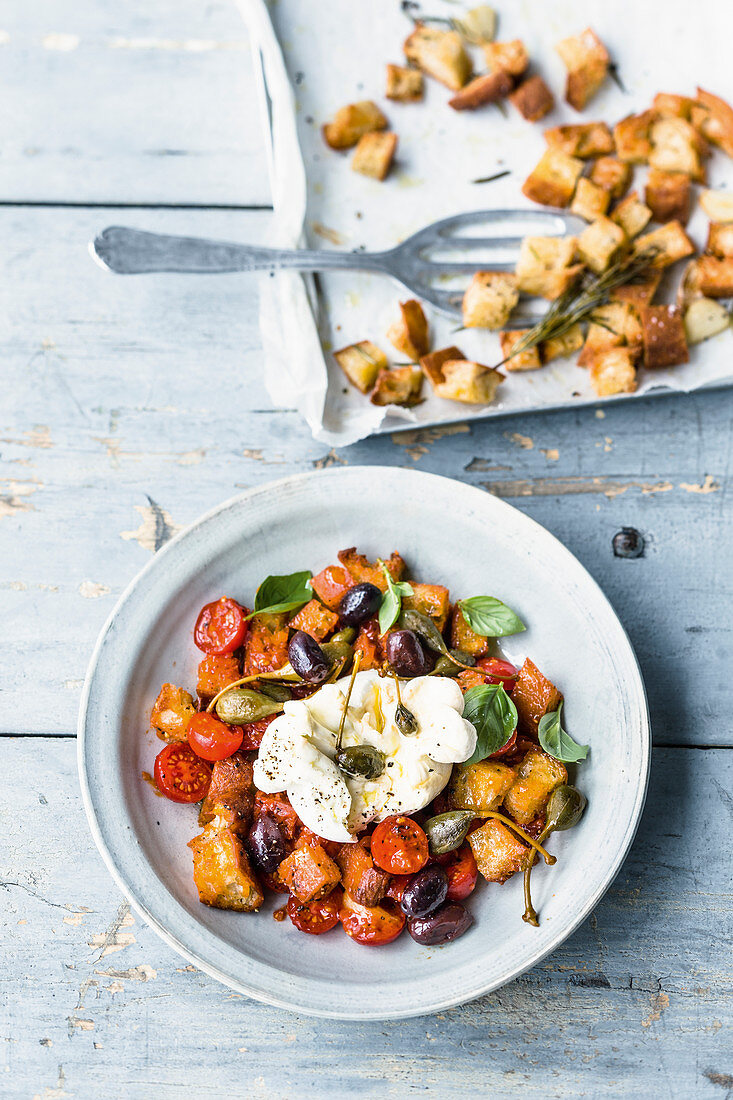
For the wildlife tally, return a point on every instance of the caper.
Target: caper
(446, 832)
(279, 692)
(424, 626)
(453, 662)
(564, 808)
(339, 653)
(361, 761)
(346, 635)
(405, 721)
(242, 705)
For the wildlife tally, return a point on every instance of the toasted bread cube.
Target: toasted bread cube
(440, 54)
(468, 382)
(362, 881)
(507, 57)
(677, 147)
(230, 799)
(560, 347)
(668, 196)
(309, 873)
(362, 570)
(612, 325)
(215, 672)
(432, 600)
(590, 201)
(714, 118)
(552, 181)
(613, 371)
(545, 266)
(332, 584)
(672, 106)
(533, 695)
(432, 364)
(172, 712)
(665, 343)
(586, 59)
(404, 85)
(612, 175)
(718, 205)
(640, 292)
(398, 386)
(498, 852)
(632, 215)
(480, 786)
(720, 239)
(528, 359)
(464, 638)
(666, 245)
(315, 619)
(410, 334)
(350, 123)
(537, 777)
(589, 139)
(600, 244)
(482, 90)
(632, 136)
(489, 299)
(374, 154)
(266, 645)
(361, 363)
(533, 99)
(222, 872)
(705, 318)
(715, 276)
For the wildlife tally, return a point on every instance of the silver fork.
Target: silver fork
(134, 251)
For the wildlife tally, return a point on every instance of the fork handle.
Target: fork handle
(134, 251)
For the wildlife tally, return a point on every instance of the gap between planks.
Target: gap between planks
(51, 204)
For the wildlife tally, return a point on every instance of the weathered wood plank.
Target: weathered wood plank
(637, 1003)
(130, 103)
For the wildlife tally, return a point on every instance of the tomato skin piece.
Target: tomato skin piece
(505, 750)
(462, 873)
(399, 845)
(221, 627)
(180, 774)
(212, 739)
(315, 917)
(372, 926)
(253, 732)
(498, 672)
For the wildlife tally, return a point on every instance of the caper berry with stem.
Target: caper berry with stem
(404, 719)
(242, 705)
(346, 635)
(453, 662)
(339, 653)
(564, 810)
(446, 832)
(281, 693)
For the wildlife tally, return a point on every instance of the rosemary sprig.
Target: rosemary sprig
(490, 179)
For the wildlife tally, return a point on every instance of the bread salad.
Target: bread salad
(358, 744)
(603, 283)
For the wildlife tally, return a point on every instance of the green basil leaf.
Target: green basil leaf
(282, 593)
(557, 742)
(490, 617)
(492, 713)
(391, 604)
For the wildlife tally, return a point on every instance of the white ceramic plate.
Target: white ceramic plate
(448, 533)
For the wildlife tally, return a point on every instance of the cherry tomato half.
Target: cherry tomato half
(212, 739)
(315, 917)
(498, 672)
(373, 925)
(462, 873)
(253, 732)
(180, 775)
(220, 627)
(399, 845)
(505, 750)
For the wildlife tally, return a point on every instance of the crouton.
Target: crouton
(632, 136)
(590, 139)
(668, 196)
(545, 266)
(612, 175)
(479, 786)
(600, 244)
(677, 147)
(705, 318)
(361, 363)
(309, 873)
(361, 880)
(215, 672)
(469, 382)
(715, 276)
(230, 799)
(498, 852)
(507, 57)
(464, 638)
(489, 299)
(266, 645)
(632, 215)
(315, 619)
(718, 205)
(586, 60)
(714, 118)
(672, 106)
(398, 386)
(533, 99)
(432, 600)
(410, 334)
(432, 364)
(404, 85)
(374, 154)
(440, 54)
(552, 181)
(222, 872)
(589, 201)
(614, 325)
(529, 359)
(363, 570)
(482, 90)
(665, 245)
(533, 695)
(537, 777)
(369, 646)
(720, 239)
(639, 292)
(613, 371)
(172, 712)
(350, 123)
(332, 584)
(560, 347)
(663, 332)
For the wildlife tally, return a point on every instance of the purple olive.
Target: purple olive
(445, 924)
(406, 654)
(359, 603)
(425, 891)
(307, 658)
(267, 844)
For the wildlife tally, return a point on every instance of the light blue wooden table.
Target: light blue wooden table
(117, 426)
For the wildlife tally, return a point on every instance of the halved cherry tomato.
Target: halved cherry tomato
(462, 873)
(315, 917)
(220, 627)
(278, 806)
(505, 750)
(212, 739)
(498, 672)
(373, 925)
(253, 732)
(180, 775)
(399, 845)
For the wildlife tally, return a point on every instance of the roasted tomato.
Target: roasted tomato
(462, 873)
(212, 739)
(278, 806)
(315, 917)
(505, 750)
(498, 672)
(180, 775)
(253, 732)
(399, 845)
(396, 887)
(221, 627)
(372, 926)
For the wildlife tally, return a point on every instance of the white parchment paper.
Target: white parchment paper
(316, 55)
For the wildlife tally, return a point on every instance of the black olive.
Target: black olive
(406, 654)
(267, 844)
(628, 543)
(359, 603)
(425, 891)
(445, 924)
(307, 658)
